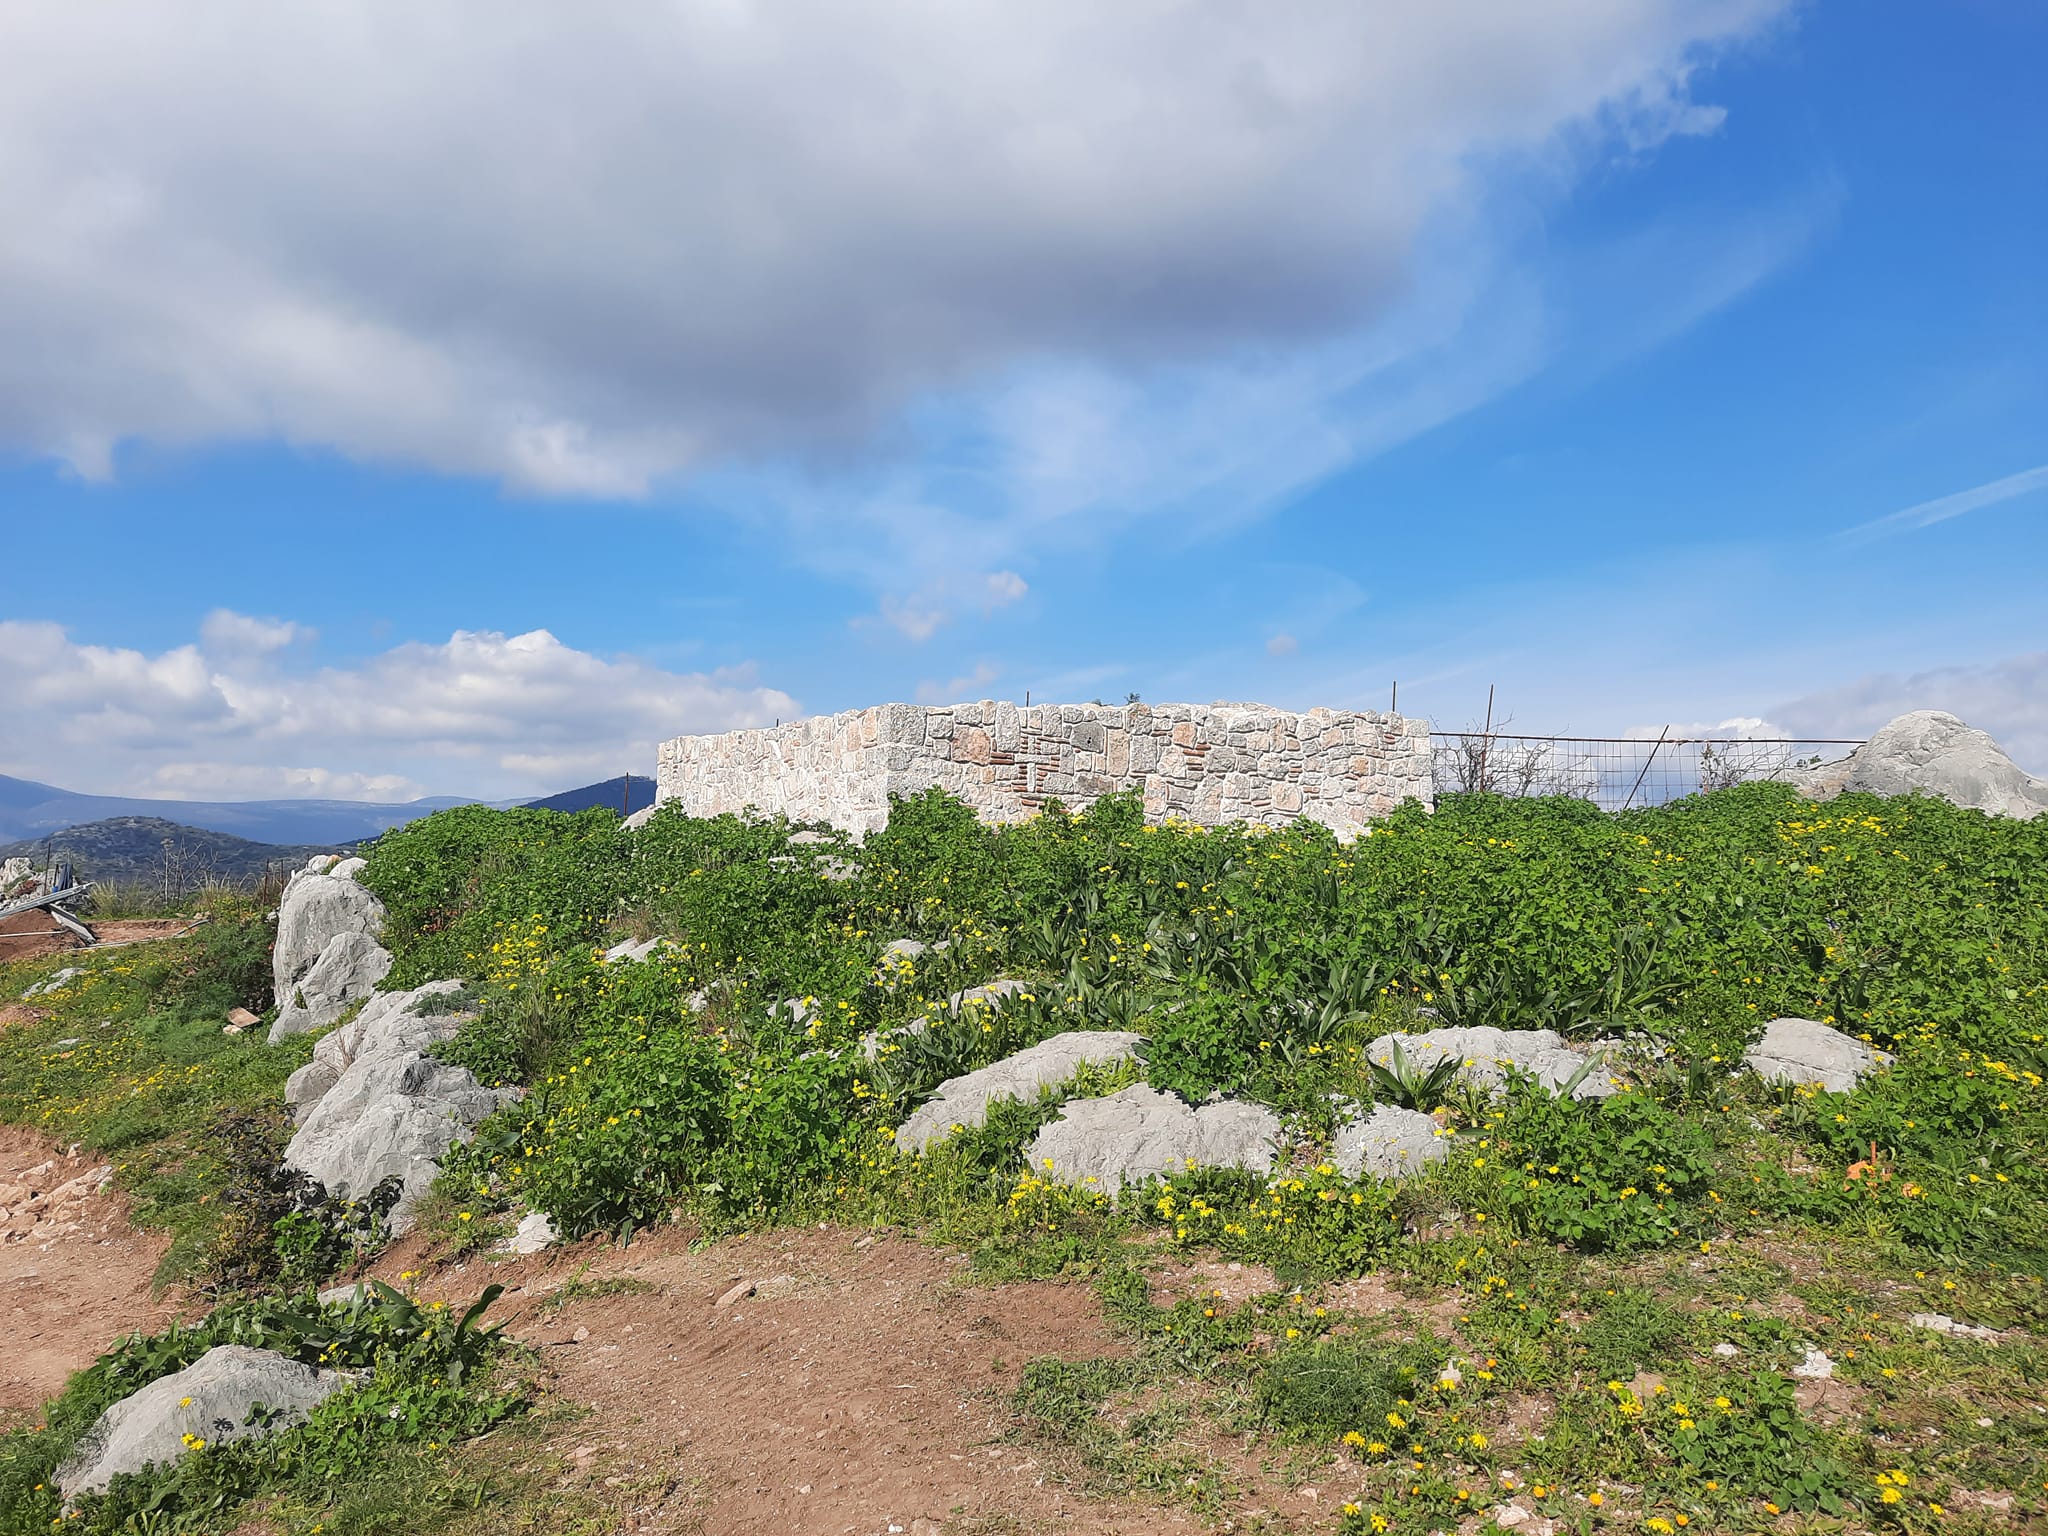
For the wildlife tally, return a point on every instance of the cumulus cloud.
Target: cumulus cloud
(2007, 697)
(582, 250)
(483, 713)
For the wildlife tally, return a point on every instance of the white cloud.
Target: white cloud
(1282, 645)
(2007, 697)
(921, 614)
(226, 632)
(483, 713)
(585, 249)
(1002, 589)
(954, 690)
(1739, 728)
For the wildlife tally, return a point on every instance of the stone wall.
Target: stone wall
(1208, 764)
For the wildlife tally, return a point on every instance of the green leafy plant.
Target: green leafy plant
(1405, 1082)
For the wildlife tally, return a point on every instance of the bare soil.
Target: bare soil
(74, 1273)
(28, 934)
(862, 1386)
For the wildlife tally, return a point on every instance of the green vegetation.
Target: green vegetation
(725, 1077)
(424, 1379)
(131, 1062)
(1606, 1298)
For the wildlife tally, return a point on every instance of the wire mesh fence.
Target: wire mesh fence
(1616, 772)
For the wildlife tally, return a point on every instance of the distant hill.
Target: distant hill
(120, 849)
(626, 794)
(29, 809)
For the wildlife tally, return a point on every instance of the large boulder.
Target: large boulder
(392, 1117)
(1485, 1054)
(1389, 1143)
(390, 1024)
(1811, 1054)
(347, 971)
(373, 1105)
(211, 1400)
(1931, 752)
(327, 956)
(1139, 1134)
(963, 1101)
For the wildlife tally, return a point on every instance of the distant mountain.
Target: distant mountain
(626, 794)
(29, 809)
(148, 848)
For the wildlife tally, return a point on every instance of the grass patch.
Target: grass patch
(131, 1063)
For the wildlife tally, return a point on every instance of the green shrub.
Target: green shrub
(424, 1377)
(1618, 1172)
(452, 881)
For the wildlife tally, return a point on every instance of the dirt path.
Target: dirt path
(859, 1388)
(74, 1274)
(28, 934)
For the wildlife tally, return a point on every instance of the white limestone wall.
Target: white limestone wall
(1207, 764)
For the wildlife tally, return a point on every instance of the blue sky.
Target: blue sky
(1634, 364)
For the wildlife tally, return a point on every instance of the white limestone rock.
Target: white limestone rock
(55, 981)
(989, 995)
(1487, 1052)
(1815, 1367)
(1389, 1143)
(387, 1109)
(390, 1024)
(210, 1400)
(534, 1233)
(1941, 1322)
(1931, 752)
(1139, 1134)
(347, 971)
(628, 951)
(1812, 1054)
(326, 956)
(964, 1100)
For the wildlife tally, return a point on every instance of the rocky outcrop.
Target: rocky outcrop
(1930, 752)
(327, 956)
(211, 1401)
(1812, 1054)
(373, 1105)
(963, 1101)
(50, 1201)
(1139, 1134)
(391, 1024)
(1487, 1053)
(1389, 1143)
